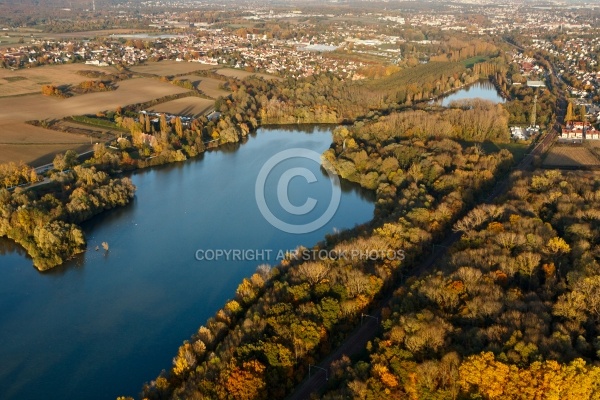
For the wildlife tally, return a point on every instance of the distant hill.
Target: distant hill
(59, 3)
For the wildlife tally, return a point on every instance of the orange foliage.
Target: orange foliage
(495, 227)
(246, 383)
(492, 379)
(387, 378)
(549, 270)
(411, 386)
(501, 277)
(457, 286)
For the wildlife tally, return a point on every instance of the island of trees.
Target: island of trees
(44, 219)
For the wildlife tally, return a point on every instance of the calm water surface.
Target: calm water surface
(102, 325)
(483, 90)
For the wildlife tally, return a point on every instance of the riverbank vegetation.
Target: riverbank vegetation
(254, 101)
(511, 313)
(44, 219)
(284, 318)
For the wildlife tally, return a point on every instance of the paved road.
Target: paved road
(42, 169)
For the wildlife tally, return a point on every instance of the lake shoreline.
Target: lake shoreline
(138, 292)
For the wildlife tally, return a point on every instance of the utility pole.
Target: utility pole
(94, 5)
(368, 316)
(534, 112)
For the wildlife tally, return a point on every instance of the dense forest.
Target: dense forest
(44, 220)
(513, 312)
(283, 318)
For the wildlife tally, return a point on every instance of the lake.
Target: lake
(103, 324)
(483, 90)
(319, 47)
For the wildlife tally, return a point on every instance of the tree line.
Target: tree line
(13, 174)
(520, 106)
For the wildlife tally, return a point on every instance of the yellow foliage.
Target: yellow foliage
(181, 362)
(484, 373)
(351, 144)
(548, 380)
(246, 291)
(233, 307)
(558, 245)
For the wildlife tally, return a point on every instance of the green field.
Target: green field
(99, 122)
(469, 62)
(518, 150)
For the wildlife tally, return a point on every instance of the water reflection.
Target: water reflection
(483, 90)
(8, 246)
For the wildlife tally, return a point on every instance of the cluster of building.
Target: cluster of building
(301, 53)
(527, 64)
(297, 57)
(170, 118)
(579, 131)
(520, 133)
(40, 52)
(432, 19)
(578, 62)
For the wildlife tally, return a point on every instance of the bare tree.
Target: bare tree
(313, 272)
(356, 282)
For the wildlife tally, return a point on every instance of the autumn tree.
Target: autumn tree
(178, 127)
(570, 116)
(65, 161)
